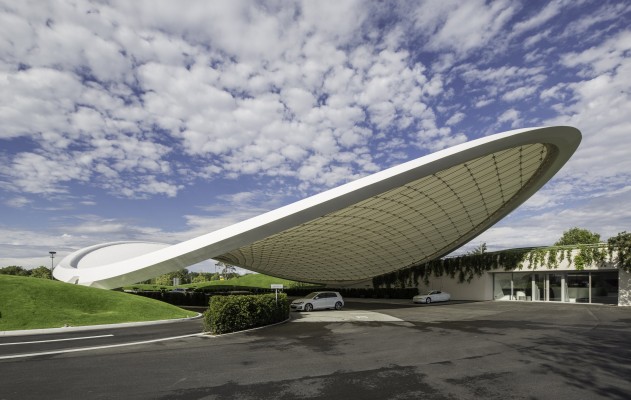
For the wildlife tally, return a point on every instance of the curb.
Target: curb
(246, 330)
(45, 331)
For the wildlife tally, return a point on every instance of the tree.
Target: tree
(228, 271)
(41, 272)
(621, 244)
(167, 279)
(481, 249)
(578, 236)
(15, 270)
(201, 277)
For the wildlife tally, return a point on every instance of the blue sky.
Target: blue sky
(154, 120)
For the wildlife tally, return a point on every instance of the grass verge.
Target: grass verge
(31, 303)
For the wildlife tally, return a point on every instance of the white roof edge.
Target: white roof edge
(564, 139)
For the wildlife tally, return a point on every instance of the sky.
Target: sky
(163, 120)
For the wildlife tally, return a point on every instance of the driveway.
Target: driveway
(489, 350)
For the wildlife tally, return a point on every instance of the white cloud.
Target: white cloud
(552, 9)
(602, 215)
(455, 119)
(483, 102)
(462, 26)
(18, 202)
(519, 93)
(609, 13)
(599, 106)
(512, 116)
(603, 58)
(124, 92)
(34, 173)
(534, 39)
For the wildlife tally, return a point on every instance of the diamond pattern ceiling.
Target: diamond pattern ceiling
(414, 223)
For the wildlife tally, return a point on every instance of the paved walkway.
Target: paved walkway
(342, 316)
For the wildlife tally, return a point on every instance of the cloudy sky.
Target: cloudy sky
(163, 120)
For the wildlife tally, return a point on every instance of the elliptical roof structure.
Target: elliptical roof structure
(405, 215)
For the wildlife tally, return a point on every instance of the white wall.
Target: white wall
(480, 288)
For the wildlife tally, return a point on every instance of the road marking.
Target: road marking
(56, 340)
(47, 353)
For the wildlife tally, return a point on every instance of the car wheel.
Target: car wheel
(308, 307)
(338, 305)
(428, 300)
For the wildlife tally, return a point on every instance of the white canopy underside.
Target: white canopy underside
(396, 218)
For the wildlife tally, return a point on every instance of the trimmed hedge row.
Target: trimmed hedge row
(236, 313)
(360, 293)
(201, 299)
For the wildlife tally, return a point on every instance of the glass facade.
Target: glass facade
(522, 286)
(578, 287)
(555, 287)
(539, 288)
(570, 287)
(604, 288)
(502, 286)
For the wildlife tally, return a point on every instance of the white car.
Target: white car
(318, 301)
(433, 296)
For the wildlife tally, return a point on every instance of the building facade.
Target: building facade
(598, 282)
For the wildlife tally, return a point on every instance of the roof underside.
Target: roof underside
(411, 224)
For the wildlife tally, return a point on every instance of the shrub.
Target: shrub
(236, 313)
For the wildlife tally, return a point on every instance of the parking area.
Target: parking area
(371, 349)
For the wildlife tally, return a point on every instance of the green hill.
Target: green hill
(249, 280)
(30, 303)
(244, 281)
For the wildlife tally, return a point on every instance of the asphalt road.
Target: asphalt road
(370, 350)
(83, 340)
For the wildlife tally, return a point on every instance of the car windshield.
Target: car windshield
(311, 295)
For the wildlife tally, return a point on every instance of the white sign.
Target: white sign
(276, 286)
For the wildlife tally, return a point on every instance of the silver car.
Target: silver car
(318, 301)
(433, 296)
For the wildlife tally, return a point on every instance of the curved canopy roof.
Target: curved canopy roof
(405, 215)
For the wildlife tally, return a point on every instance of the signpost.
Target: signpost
(276, 286)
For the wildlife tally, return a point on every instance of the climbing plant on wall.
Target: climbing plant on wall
(466, 267)
(621, 245)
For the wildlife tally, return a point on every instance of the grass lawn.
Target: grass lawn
(30, 303)
(249, 280)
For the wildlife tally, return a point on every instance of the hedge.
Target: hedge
(236, 313)
(368, 293)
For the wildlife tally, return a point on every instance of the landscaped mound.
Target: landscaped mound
(30, 303)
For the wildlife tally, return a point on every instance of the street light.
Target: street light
(52, 257)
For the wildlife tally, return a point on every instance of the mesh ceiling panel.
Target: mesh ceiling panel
(414, 223)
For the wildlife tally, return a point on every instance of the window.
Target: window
(573, 287)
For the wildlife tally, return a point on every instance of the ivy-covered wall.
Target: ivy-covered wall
(467, 267)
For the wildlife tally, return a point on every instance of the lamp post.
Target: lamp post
(52, 257)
